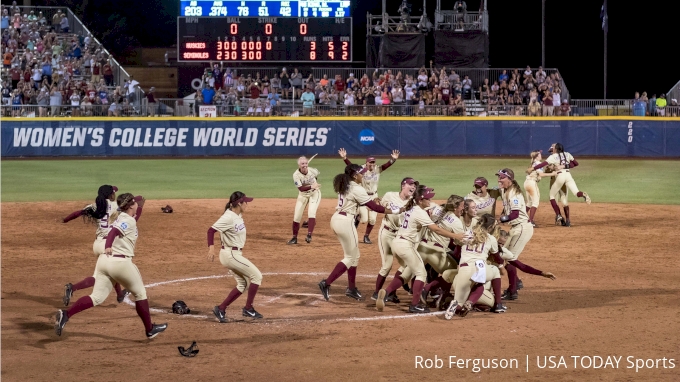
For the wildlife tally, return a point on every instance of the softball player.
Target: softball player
(562, 196)
(484, 197)
(233, 238)
(531, 185)
(370, 184)
(390, 226)
(309, 195)
(404, 247)
(115, 265)
(98, 213)
(350, 196)
(564, 161)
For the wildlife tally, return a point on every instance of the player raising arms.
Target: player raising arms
(350, 196)
(565, 161)
(98, 213)
(117, 266)
(484, 197)
(309, 195)
(388, 231)
(233, 237)
(404, 247)
(531, 185)
(370, 184)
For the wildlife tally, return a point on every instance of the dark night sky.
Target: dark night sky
(642, 37)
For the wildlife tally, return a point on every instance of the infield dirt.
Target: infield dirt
(617, 294)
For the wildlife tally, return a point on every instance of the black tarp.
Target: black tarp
(396, 51)
(461, 49)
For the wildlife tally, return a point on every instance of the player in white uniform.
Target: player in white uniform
(115, 265)
(309, 195)
(404, 247)
(564, 162)
(533, 193)
(98, 213)
(370, 184)
(388, 231)
(484, 197)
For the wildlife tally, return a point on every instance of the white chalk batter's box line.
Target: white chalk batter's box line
(318, 295)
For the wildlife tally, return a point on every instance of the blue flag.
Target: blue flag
(604, 17)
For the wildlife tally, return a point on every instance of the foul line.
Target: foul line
(374, 318)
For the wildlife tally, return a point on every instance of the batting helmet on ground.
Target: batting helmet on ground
(179, 307)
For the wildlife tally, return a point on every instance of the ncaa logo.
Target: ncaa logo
(366, 137)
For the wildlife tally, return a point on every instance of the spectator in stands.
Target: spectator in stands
(349, 101)
(75, 103)
(86, 106)
(107, 70)
(534, 108)
(133, 85)
(528, 73)
(339, 86)
(548, 108)
(273, 99)
(217, 74)
(652, 106)
(307, 99)
(207, 94)
(56, 99)
(254, 90)
(285, 83)
(503, 76)
(565, 108)
(422, 79)
(7, 58)
(64, 23)
(324, 80)
(56, 20)
(266, 86)
(4, 24)
(15, 75)
(458, 106)
(557, 99)
(467, 87)
(296, 83)
(661, 105)
(511, 89)
(351, 82)
(540, 75)
(151, 102)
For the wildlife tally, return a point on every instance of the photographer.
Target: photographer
(461, 13)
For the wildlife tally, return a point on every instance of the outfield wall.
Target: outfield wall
(609, 136)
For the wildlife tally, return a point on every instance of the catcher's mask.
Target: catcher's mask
(190, 352)
(179, 307)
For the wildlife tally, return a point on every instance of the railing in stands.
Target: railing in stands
(674, 93)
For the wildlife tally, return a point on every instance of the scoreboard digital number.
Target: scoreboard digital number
(263, 39)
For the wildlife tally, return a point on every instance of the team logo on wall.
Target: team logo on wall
(366, 137)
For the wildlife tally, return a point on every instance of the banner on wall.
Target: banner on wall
(208, 137)
(207, 111)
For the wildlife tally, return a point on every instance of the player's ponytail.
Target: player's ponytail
(233, 199)
(341, 181)
(124, 201)
(92, 214)
(452, 203)
(534, 155)
(485, 226)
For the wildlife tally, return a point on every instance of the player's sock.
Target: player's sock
(527, 207)
(475, 293)
(311, 223)
(233, 295)
(142, 308)
(456, 254)
(118, 289)
(525, 268)
(532, 212)
(351, 277)
(369, 228)
(496, 286)
(579, 194)
(396, 283)
(555, 207)
(512, 277)
(87, 282)
(296, 228)
(417, 290)
(434, 284)
(252, 291)
(83, 303)
(337, 272)
(446, 287)
(566, 212)
(379, 282)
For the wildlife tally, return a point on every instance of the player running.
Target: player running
(116, 265)
(484, 197)
(531, 185)
(232, 231)
(350, 196)
(565, 161)
(98, 213)
(370, 184)
(309, 195)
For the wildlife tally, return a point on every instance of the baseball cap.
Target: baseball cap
(363, 170)
(408, 181)
(428, 194)
(506, 173)
(481, 182)
(370, 159)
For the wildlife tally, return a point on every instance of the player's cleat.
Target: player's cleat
(367, 240)
(375, 296)
(438, 302)
(418, 309)
(534, 225)
(120, 298)
(465, 309)
(406, 287)
(559, 220)
(499, 308)
(292, 241)
(308, 239)
(156, 329)
(567, 223)
(354, 293)
(520, 284)
(451, 310)
(380, 301)
(220, 314)
(392, 298)
(356, 222)
(325, 289)
(68, 293)
(252, 313)
(586, 197)
(61, 320)
(509, 296)
(423, 296)
(305, 224)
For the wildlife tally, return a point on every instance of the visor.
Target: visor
(408, 181)
(370, 160)
(243, 199)
(363, 170)
(428, 194)
(481, 182)
(506, 173)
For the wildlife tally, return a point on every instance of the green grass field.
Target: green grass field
(606, 180)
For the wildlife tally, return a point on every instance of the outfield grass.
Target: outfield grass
(606, 180)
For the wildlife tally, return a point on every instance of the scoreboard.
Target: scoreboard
(263, 39)
(266, 8)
